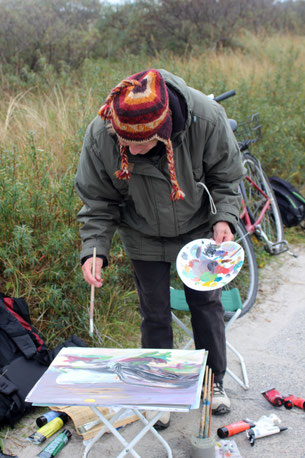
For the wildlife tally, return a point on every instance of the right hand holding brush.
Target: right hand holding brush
(96, 281)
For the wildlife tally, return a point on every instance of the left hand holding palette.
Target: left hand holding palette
(202, 265)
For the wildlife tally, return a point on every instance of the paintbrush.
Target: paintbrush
(91, 312)
(201, 429)
(208, 403)
(212, 391)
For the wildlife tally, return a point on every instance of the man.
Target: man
(160, 164)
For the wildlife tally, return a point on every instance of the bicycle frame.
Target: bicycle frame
(267, 227)
(251, 227)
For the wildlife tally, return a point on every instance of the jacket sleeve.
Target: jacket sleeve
(100, 215)
(223, 170)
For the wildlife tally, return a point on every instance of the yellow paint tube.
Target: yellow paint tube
(47, 430)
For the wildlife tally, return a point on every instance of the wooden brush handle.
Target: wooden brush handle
(92, 292)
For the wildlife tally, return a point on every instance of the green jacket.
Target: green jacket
(150, 224)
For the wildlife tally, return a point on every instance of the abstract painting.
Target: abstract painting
(122, 377)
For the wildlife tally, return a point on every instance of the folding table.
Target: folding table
(134, 379)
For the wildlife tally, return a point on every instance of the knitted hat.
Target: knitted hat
(138, 108)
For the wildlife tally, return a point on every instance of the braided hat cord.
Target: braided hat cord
(177, 192)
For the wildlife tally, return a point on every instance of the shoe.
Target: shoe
(220, 403)
(163, 421)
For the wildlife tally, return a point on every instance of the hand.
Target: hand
(222, 232)
(87, 272)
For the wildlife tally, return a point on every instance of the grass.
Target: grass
(42, 125)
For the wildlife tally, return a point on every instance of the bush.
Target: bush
(41, 133)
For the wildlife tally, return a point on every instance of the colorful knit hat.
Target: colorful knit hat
(138, 108)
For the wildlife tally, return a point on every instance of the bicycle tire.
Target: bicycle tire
(247, 279)
(271, 226)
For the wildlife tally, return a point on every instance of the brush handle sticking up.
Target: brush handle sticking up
(92, 295)
(204, 403)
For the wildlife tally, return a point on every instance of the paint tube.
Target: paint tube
(91, 424)
(87, 426)
(56, 445)
(274, 397)
(288, 402)
(48, 416)
(297, 402)
(263, 430)
(47, 430)
(235, 428)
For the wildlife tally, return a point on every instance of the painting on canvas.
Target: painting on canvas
(122, 377)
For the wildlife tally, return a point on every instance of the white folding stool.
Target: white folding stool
(128, 446)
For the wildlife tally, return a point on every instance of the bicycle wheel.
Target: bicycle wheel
(271, 227)
(247, 279)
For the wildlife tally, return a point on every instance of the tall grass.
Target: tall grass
(41, 132)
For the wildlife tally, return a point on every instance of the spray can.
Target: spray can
(234, 428)
(48, 416)
(274, 397)
(56, 445)
(47, 430)
(297, 402)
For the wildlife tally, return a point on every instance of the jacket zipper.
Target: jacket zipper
(159, 166)
(155, 204)
(163, 159)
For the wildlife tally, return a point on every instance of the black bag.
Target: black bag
(290, 201)
(24, 357)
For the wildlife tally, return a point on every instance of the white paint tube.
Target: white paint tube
(263, 430)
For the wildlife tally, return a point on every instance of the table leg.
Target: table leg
(128, 445)
(108, 426)
(148, 427)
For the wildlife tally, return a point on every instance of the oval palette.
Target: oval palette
(202, 265)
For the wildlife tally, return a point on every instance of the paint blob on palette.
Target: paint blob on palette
(202, 265)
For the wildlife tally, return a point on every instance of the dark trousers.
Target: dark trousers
(207, 314)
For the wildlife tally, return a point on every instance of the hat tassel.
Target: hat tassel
(123, 173)
(177, 192)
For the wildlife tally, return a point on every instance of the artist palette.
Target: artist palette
(202, 265)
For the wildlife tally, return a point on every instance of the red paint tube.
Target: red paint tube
(288, 402)
(297, 402)
(234, 428)
(274, 397)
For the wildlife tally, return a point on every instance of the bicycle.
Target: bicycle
(260, 213)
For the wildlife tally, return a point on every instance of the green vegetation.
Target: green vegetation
(65, 32)
(49, 96)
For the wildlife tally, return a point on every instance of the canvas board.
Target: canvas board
(122, 377)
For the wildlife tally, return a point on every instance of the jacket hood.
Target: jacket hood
(180, 86)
